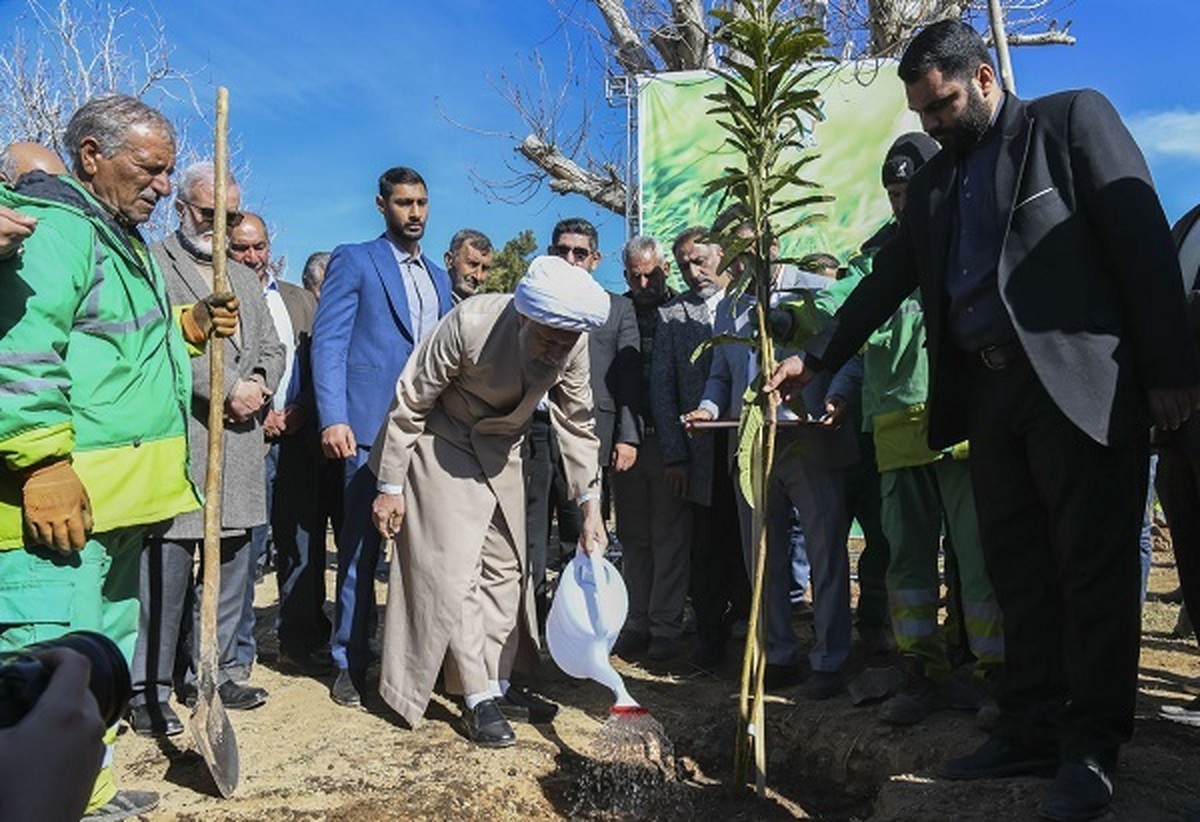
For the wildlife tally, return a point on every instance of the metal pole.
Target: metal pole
(996, 16)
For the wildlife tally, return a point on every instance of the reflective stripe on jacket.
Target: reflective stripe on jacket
(91, 365)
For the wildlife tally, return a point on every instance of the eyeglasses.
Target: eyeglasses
(570, 252)
(232, 218)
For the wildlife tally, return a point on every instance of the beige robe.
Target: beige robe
(453, 438)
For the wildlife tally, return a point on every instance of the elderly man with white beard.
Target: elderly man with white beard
(254, 363)
(449, 470)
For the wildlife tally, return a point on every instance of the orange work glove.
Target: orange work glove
(214, 316)
(56, 506)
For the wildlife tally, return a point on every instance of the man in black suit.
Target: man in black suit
(293, 464)
(1057, 333)
(615, 361)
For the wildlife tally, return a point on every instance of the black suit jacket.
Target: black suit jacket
(1087, 270)
(614, 352)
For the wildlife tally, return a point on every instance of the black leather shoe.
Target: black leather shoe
(662, 648)
(631, 644)
(708, 656)
(822, 685)
(304, 663)
(344, 691)
(997, 758)
(1081, 790)
(154, 719)
(187, 695)
(778, 677)
(238, 697)
(519, 705)
(487, 726)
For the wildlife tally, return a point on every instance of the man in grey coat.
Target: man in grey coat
(254, 363)
(696, 468)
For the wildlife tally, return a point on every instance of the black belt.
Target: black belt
(1001, 356)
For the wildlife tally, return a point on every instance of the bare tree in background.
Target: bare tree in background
(58, 56)
(626, 38)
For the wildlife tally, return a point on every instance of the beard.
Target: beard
(535, 368)
(707, 289)
(538, 371)
(194, 239)
(971, 126)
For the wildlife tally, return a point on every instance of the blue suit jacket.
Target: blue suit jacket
(362, 335)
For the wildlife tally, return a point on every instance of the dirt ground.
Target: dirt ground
(304, 758)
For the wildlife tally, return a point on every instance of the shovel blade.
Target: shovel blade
(214, 737)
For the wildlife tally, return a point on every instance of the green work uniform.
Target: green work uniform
(92, 369)
(921, 490)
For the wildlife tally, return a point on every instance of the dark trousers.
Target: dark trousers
(863, 504)
(719, 586)
(1178, 486)
(355, 615)
(1059, 519)
(298, 516)
(168, 643)
(260, 544)
(545, 494)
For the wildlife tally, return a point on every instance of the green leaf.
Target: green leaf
(721, 339)
(751, 471)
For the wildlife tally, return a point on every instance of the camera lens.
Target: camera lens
(110, 682)
(23, 678)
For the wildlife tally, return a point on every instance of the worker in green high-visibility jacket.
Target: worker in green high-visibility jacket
(94, 390)
(922, 490)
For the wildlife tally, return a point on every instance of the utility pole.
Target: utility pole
(1000, 39)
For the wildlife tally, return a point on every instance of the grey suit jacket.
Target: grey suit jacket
(676, 384)
(301, 308)
(256, 350)
(614, 355)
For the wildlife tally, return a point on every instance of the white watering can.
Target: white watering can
(585, 618)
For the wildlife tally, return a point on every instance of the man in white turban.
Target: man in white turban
(451, 491)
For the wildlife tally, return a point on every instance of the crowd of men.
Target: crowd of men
(988, 370)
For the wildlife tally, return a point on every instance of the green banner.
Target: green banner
(681, 147)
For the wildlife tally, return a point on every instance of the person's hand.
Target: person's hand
(387, 514)
(624, 456)
(56, 507)
(214, 316)
(593, 536)
(245, 399)
(677, 479)
(273, 424)
(789, 377)
(701, 414)
(337, 441)
(49, 760)
(1171, 407)
(835, 412)
(15, 227)
(293, 419)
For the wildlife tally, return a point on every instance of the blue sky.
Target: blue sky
(325, 95)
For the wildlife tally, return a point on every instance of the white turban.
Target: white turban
(555, 293)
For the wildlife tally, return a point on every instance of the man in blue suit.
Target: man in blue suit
(379, 299)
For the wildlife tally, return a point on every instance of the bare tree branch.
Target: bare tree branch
(648, 36)
(685, 43)
(628, 47)
(1054, 37)
(568, 177)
